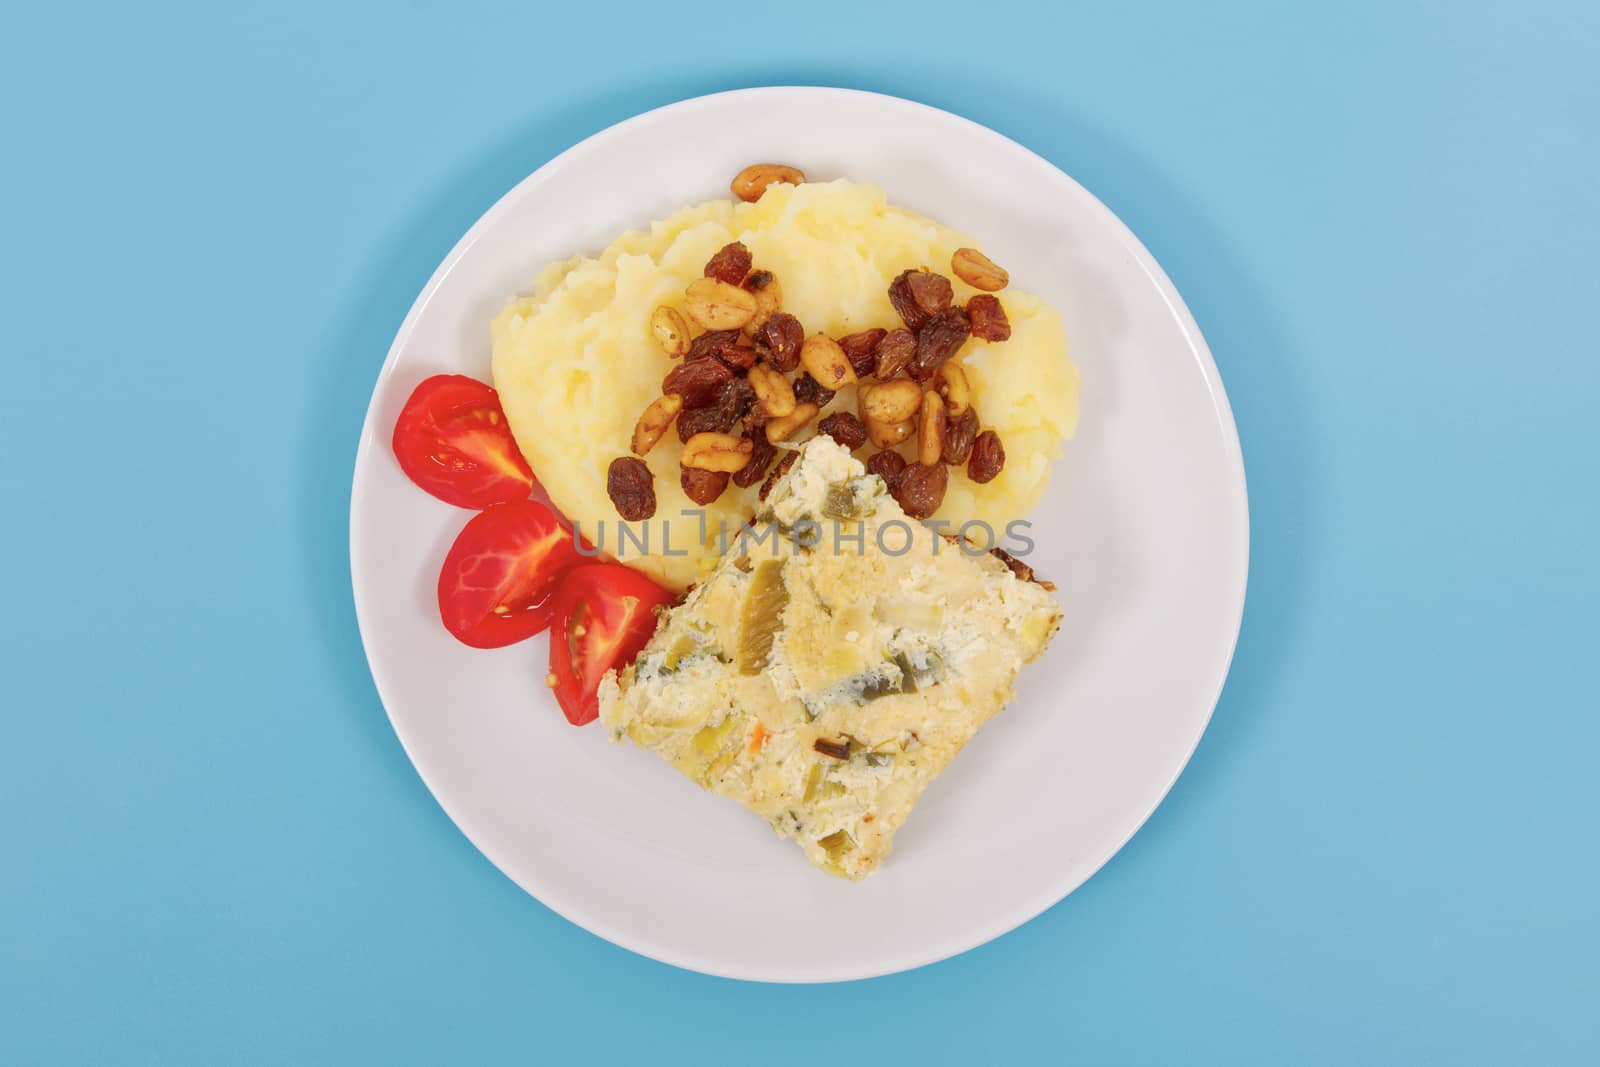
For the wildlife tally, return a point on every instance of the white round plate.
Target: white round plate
(1144, 529)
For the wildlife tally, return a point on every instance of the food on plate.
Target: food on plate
(603, 615)
(766, 318)
(754, 377)
(452, 440)
(495, 585)
(825, 683)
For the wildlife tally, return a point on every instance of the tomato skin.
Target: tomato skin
(496, 583)
(615, 606)
(453, 441)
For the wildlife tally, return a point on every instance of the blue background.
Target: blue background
(212, 848)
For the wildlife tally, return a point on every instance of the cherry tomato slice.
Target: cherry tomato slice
(453, 441)
(604, 614)
(495, 585)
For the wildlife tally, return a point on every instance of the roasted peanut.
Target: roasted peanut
(716, 452)
(671, 331)
(825, 361)
(886, 402)
(654, 422)
(783, 428)
(889, 434)
(773, 391)
(763, 284)
(930, 430)
(951, 381)
(978, 270)
(718, 305)
(750, 183)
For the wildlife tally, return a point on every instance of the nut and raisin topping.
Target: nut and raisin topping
(895, 352)
(931, 430)
(988, 317)
(917, 295)
(730, 264)
(769, 298)
(670, 331)
(988, 458)
(808, 391)
(783, 335)
(861, 349)
(762, 452)
(781, 429)
(978, 270)
(739, 356)
(750, 183)
(950, 380)
(716, 305)
(960, 431)
(698, 381)
(773, 391)
(844, 428)
(894, 401)
(654, 422)
(702, 487)
(716, 452)
(889, 434)
(940, 338)
(920, 489)
(887, 465)
(631, 488)
(825, 361)
(711, 343)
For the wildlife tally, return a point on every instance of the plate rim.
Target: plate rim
(982, 932)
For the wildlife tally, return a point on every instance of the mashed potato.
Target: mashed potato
(575, 363)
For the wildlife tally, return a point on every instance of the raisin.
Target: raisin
(698, 381)
(988, 457)
(920, 490)
(932, 292)
(895, 353)
(761, 453)
(718, 416)
(905, 305)
(735, 399)
(730, 264)
(844, 428)
(778, 472)
(699, 420)
(940, 338)
(989, 322)
(757, 280)
(807, 390)
(783, 335)
(918, 295)
(631, 489)
(959, 433)
(739, 356)
(700, 486)
(887, 465)
(861, 349)
(709, 344)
